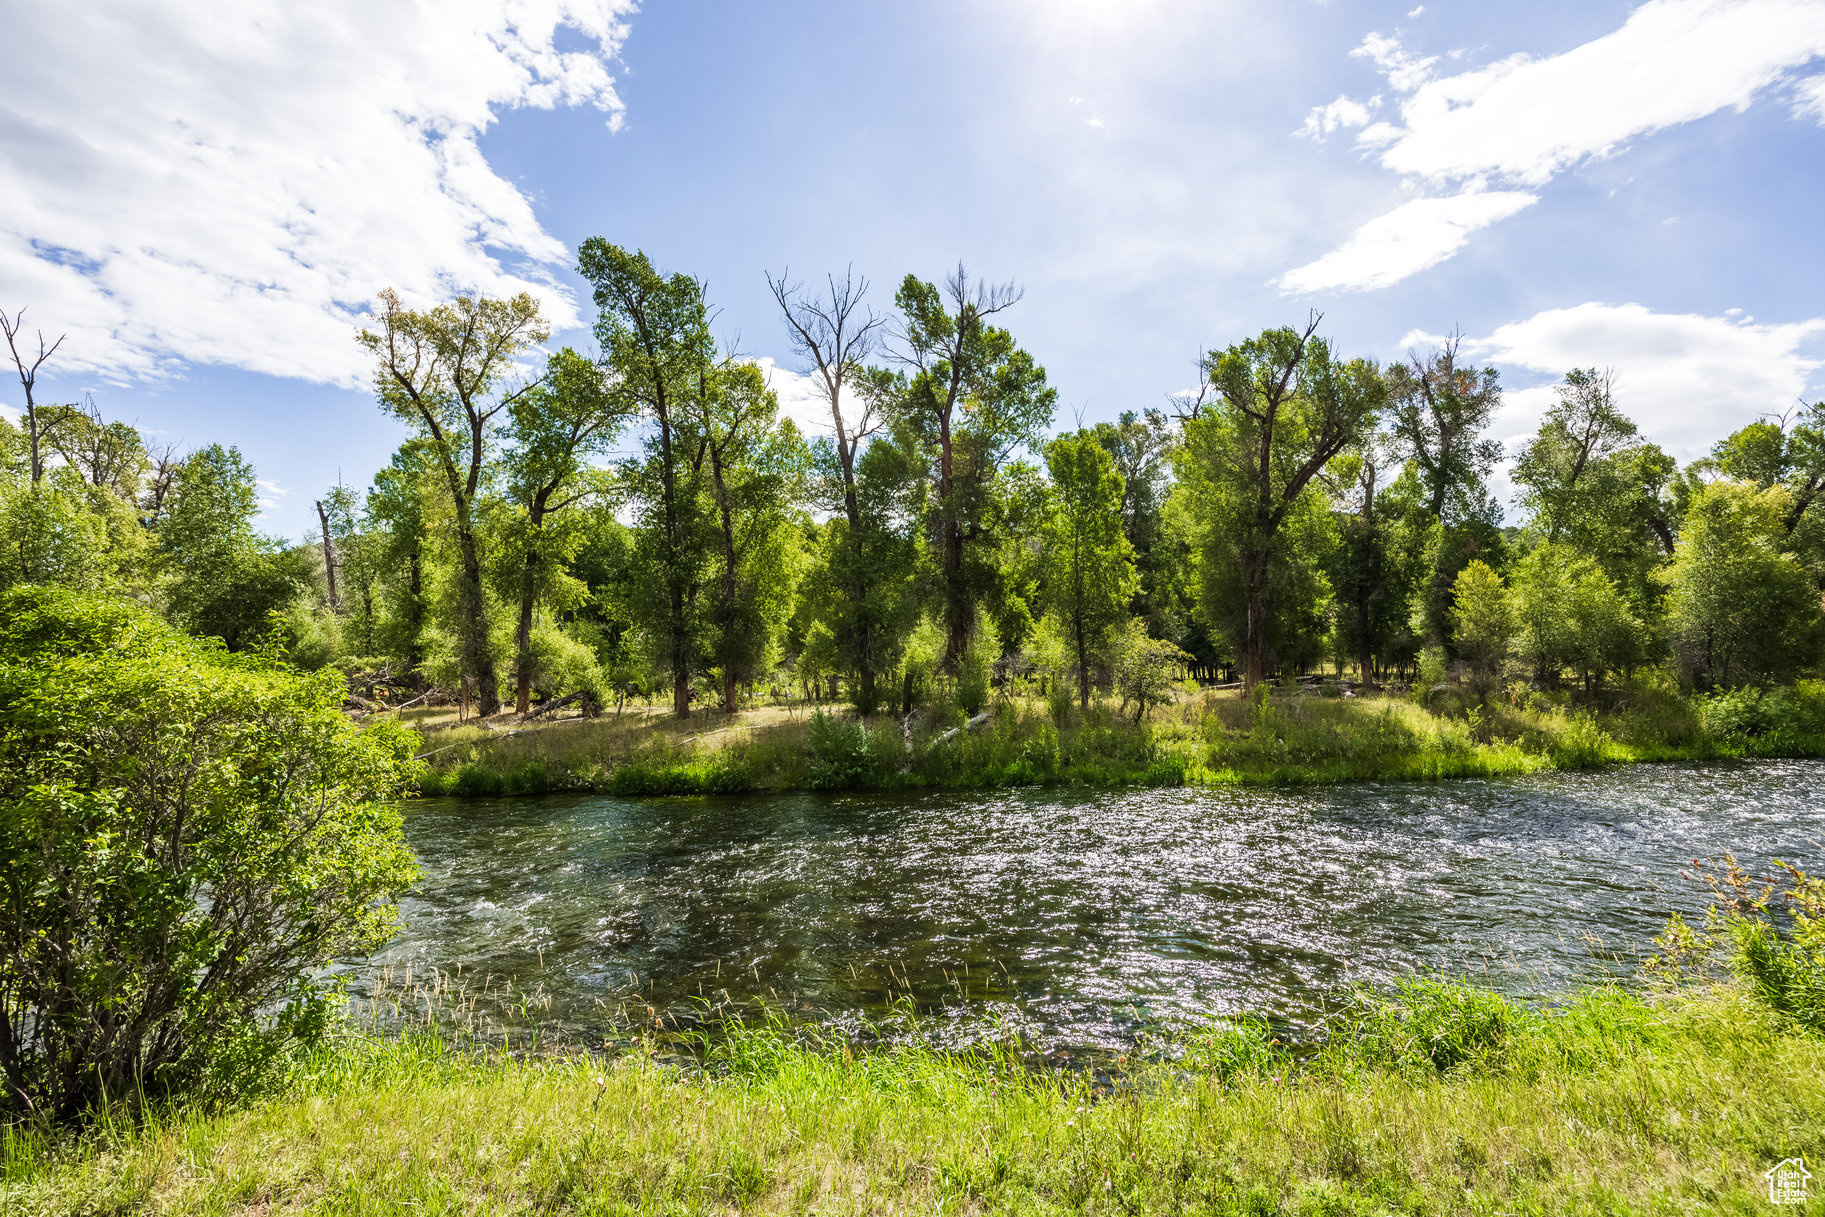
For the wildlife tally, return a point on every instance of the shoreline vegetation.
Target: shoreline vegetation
(1317, 733)
(1436, 1098)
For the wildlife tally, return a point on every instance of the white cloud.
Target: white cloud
(1520, 121)
(1336, 116)
(1809, 99)
(233, 184)
(1405, 70)
(1671, 62)
(801, 399)
(1687, 380)
(1405, 241)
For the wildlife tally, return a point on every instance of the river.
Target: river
(1082, 916)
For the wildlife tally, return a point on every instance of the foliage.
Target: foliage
(1570, 615)
(1089, 564)
(1146, 670)
(186, 836)
(1482, 617)
(222, 578)
(1740, 608)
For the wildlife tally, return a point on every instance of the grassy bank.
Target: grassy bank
(1208, 738)
(1440, 1100)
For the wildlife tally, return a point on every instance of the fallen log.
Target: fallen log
(549, 706)
(972, 723)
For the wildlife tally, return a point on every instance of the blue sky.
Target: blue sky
(207, 208)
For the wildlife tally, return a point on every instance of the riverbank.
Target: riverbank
(1204, 738)
(1441, 1100)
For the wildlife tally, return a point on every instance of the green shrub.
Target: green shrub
(1431, 1023)
(845, 755)
(186, 838)
(1779, 720)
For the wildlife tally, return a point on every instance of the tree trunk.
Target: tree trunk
(529, 581)
(1255, 642)
(476, 657)
(415, 584)
(1083, 664)
(329, 555)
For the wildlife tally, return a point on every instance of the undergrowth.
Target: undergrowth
(1275, 738)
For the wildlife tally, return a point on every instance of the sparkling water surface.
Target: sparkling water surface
(1084, 916)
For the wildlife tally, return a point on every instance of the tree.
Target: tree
(1570, 614)
(1739, 607)
(835, 334)
(972, 397)
(1482, 617)
(572, 414)
(189, 839)
(655, 336)
(1141, 447)
(28, 364)
(1437, 412)
(398, 509)
(1372, 583)
(1283, 409)
(443, 372)
(109, 455)
(223, 577)
(861, 584)
(1788, 451)
(1582, 428)
(1145, 668)
(1089, 564)
(757, 467)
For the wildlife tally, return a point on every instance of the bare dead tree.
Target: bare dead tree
(161, 474)
(835, 335)
(329, 554)
(28, 378)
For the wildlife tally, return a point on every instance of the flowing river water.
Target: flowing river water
(1082, 916)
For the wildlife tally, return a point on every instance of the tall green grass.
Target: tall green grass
(1430, 1099)
(1275, 738)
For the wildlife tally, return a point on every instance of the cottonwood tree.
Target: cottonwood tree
(1580, 431)
(28, 363)
(1141, 446)
(655, 336)
(1437, 412)
(835, 333)
(399, 510)
(445, 372)
(1088, 562)
(1589, 480)
(223, 578)
(757, 467)
(1281, 408)
(572, 415)
(1739, 607)
(971, 396)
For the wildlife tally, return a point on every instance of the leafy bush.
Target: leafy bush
(1430, 1023)
(1786, 719)
(845, 755)
(1776, 930)
(186, 838)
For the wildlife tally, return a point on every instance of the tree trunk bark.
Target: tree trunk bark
(475, 620)
(329, 555)
(1255, 642)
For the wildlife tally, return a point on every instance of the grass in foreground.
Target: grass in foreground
(1206, 738)
(1443, 1100)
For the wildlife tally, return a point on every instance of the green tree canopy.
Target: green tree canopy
(1089, 564)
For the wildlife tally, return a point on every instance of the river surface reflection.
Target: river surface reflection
(1083, 915)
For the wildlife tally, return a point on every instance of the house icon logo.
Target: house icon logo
(1787, 1182)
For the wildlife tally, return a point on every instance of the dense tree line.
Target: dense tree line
(641, 521)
